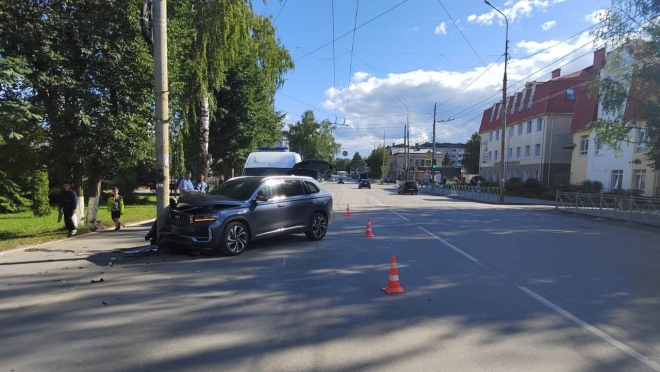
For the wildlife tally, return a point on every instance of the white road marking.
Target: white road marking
(405, 218)
(618, 344)
(448, 244)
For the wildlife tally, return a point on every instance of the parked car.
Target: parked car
(408, 187)
(341, 180)
(245, 209)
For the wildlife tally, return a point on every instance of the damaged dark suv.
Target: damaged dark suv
(245, 209)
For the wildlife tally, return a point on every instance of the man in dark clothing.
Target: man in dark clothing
(68, 207)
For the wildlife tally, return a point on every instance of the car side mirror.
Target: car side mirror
(261, 197)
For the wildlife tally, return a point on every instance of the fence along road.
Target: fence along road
(627, 208)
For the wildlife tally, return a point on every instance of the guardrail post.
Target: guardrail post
(600, 206)
(556, 200)
(577, 202)
(630, 209)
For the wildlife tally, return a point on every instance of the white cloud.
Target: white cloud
(373, 99)
(548, 25)
(415, 29)
(441, 29)
(513, 11)
(596, 16)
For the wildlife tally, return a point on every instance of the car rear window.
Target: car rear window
(312, 187)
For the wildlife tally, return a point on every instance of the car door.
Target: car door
(266, 216)
(297, 203)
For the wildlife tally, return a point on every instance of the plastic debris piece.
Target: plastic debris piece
(145, 250)
(97, 281)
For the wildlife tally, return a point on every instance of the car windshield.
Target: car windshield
(411, 184)
(239, 189)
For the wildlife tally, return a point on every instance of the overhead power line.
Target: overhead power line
(278, 13)
(350, 66)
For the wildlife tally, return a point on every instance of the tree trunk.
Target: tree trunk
(78, 185)
(93, 203)
(204, 158)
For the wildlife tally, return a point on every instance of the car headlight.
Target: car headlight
(205, 218)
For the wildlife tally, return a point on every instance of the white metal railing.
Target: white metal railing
(627, 208)
(465, 191)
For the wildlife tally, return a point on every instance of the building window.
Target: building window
(484, 159)
(584, 144)
(639, 179)
(536, 174)
(641, 140)
(497, 135)
(509, 153)
(516, 174)
(527, 151)
(453, 150)
(517, 152)
(539, 124)
(617, 179)
(529, 126)
(599, 147)
(495, 176)
(508, 175)
(537, 150)
(490, 156)
(491, 136)
(495, 155)
(520, 129)
(525, 175)
(488, 176)
(510, 132)
(570, 94)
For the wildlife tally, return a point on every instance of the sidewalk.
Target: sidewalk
(508, 200)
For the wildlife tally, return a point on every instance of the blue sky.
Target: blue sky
(416, 53)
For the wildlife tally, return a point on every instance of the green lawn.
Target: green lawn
(18, 229)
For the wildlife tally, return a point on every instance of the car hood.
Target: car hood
(198, 199)
(320, 166)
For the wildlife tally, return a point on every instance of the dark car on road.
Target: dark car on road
(245, 209)
(364, 182)
(408, 187)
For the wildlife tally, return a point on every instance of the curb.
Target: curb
(488, 201)
(18, 249)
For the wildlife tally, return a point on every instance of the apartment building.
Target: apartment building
(454, 152)
(538, 126)
(627, 169)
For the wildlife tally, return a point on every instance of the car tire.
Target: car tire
(317, 227)
(235, 239)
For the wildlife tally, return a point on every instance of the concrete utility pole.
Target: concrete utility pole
(406, 141)
(504, 103)
(162, 116)
(435, 106)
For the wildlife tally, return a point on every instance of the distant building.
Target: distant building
(418, 153)
(539, 118)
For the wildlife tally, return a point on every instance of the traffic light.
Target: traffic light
(434, 165)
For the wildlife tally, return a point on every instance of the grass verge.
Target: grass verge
(20, 229)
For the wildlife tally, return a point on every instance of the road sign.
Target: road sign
(345, 153)
(427, 162)
(382, 168)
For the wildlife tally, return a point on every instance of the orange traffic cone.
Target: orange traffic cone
(393, 285)
(348, 211)
(369, 233)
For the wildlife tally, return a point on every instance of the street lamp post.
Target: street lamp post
(406, 140)
(504, 103)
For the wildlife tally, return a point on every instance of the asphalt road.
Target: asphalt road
(489, 288)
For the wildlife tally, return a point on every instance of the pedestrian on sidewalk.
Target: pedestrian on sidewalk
(186, 186)
(200, 185)
(68, 206)
(116, 207)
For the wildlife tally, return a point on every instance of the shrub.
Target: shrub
(11, 198)
(591, 187)
(40, 194)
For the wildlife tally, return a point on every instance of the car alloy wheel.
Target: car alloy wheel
(318, 227)
(235, 239)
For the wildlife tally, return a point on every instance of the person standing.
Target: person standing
(68, 206)
(201, 186)
(186, 186)
(116, 207)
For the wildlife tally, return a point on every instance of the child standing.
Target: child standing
(116, 207)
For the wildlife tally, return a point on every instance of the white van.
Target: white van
(267, 163)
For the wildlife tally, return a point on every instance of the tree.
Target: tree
(623, 83)
(95, 87)
(375, 162)
(357, 162)
(446, 161)
(313, 140)
(472, 153)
